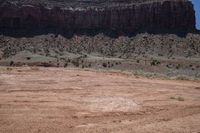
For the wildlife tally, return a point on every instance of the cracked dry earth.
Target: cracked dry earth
(56, 100)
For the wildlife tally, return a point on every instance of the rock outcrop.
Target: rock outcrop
(114, 15)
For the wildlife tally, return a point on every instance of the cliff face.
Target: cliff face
(172, 15)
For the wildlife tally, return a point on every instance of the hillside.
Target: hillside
(135, 35)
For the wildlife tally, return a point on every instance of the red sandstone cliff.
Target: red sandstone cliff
(120, 16)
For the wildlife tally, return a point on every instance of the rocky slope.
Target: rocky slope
(167, 46)
(166, 54)
(97, 15)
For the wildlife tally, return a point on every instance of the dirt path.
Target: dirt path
(34, 100)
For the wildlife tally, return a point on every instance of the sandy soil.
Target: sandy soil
(56, 100)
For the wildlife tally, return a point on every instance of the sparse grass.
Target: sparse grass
(181, 77)
(140, 73)
(3, 69)
(35, 68)
(178, 98)
(135, 73)
(9, 68)
(185, 77)
(150, 75)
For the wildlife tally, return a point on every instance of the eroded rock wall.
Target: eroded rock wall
(169, 15)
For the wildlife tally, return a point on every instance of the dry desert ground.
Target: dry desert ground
(58, 100)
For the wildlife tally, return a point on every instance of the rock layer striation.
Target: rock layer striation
(93, 15)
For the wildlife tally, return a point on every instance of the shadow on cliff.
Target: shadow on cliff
(69, 34)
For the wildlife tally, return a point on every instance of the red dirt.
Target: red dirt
(68, 100)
